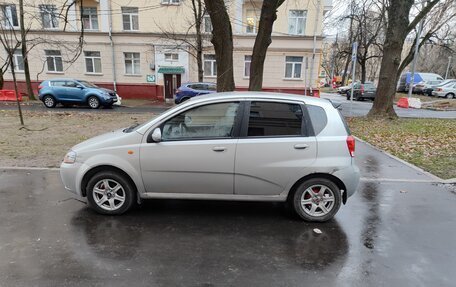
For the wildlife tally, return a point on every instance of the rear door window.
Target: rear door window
(58, 83)
(270, 119)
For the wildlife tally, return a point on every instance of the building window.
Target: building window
(130, 18)
(171, 57)
(293, 66)
(297, 22)
(247, 62)
(252, 21)
(171, 2)
(49, 16)
(207, 24)
(210, 66)
(9, 16)
(93, 62)
(90, 18)
(54, 61)
(132, 64)
(18, 61)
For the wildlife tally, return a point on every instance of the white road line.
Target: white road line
(27, 168)
(374, 179)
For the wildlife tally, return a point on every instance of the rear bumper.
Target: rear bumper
(350, 177)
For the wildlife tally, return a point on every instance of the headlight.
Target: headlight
(70, 157)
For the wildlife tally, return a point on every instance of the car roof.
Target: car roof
(207, 83)
(62, 79)
(260, 96)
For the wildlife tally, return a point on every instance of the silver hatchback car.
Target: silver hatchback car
(227, 146)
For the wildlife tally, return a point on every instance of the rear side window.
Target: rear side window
(274, 119)
(318, 117)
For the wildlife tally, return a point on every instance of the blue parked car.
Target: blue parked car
(189, 90)
(78, 92)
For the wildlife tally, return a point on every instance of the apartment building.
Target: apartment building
(143, 48)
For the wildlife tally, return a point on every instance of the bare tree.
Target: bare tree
(398, 27)
(222, 39)
(11, 43)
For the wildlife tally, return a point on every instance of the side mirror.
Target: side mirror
(157, 135)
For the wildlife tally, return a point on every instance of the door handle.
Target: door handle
(219, 148)
(301, 146)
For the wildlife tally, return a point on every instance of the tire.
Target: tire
(348, 96)
(316, 193)
(110, 201)
(49, 101)
(93, 102)
(449, 96)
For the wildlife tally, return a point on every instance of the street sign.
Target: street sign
(354, 50)
(150, 78)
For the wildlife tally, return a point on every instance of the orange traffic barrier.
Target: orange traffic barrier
(403, 103)
(9, 95)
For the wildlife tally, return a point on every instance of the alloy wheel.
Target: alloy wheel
(109, 194)
(317, 200)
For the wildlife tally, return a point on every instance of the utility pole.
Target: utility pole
(415, 56)
(312, 64)
(354, 55)
(448, 67)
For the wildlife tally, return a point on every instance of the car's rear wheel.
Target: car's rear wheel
(49, 101)
(110, 193)
(94, 102)
(449, 96)
(317, 199)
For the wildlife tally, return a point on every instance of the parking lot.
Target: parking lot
(397, 230)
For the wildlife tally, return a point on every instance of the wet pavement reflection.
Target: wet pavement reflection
(381, 237)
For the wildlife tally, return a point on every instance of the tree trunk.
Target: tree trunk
(262, 42)
(222, 39)
(198, 16)
(347, 63)
(13, 73)
(25, 52)
(397, 30)
(2, 80)
(362, 65)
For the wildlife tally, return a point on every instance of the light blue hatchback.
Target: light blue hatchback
(75, 92)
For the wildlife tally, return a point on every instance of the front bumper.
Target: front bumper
(70, 175)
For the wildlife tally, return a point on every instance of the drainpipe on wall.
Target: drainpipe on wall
(114, 77)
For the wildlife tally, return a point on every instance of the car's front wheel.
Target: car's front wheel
(110, 193)
(49, 101)
(94, 102)
(317, 199)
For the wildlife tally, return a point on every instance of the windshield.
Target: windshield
(88, 84)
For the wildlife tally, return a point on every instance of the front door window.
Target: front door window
(205, 122)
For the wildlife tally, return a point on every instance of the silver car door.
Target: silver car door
(196, 154)
(273, 149)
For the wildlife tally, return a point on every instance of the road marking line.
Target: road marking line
(27, 168)
(373, 179)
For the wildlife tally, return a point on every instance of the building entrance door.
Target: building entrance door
(172, 82)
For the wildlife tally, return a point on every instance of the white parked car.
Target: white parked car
(227, 146)
(448, 91)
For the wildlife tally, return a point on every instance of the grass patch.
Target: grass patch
(20, 147)
(427, 143)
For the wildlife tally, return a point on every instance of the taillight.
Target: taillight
(351, 145)
(439, 89)
(178, 91)
(362, 89)
(40, 87)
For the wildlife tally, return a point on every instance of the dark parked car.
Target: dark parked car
(78, 92)
(363, 91)
(189, 90)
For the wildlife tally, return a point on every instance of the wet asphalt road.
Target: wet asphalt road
(382, 237)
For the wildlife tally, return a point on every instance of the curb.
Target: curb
(434, 177)
(28, 168)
